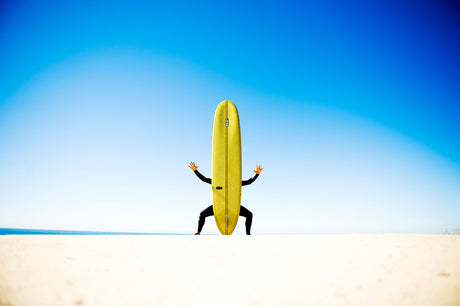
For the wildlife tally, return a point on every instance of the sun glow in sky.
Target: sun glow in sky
(352, 110)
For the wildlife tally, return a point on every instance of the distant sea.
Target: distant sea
(23, 231)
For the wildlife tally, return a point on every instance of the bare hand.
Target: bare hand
(258, 169)
(193, 166)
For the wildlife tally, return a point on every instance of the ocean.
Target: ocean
(23, 231)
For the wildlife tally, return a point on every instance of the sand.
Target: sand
(234, 270)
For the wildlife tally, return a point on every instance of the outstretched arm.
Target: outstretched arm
(200, 176)
(252, 179)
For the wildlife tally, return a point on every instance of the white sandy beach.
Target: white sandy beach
(233, 270)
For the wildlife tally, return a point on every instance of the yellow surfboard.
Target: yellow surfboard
(226, 167)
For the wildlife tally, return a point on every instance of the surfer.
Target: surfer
(210, 212)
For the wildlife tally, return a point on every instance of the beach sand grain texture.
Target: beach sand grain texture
(230, 270)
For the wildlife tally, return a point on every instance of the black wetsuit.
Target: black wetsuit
(210, 212)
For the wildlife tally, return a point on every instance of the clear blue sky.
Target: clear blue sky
(352, 109)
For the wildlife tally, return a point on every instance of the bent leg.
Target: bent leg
(246, 213)
(205, 213)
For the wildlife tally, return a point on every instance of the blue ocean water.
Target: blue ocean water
(22, 231)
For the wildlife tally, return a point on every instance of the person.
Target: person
(209, 210)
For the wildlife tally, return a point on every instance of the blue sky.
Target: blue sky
(352, 109)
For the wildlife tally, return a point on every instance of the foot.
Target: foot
(197, 233)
